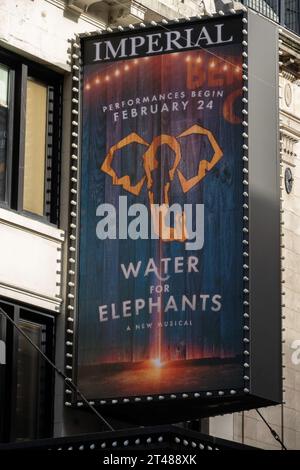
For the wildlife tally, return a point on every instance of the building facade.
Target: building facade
(36, 107)
(248, 427)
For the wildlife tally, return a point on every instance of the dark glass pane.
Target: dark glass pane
(2, 370)
(292, 15)
(3, 129)
(30, 406)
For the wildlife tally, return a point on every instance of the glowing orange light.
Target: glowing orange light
(117, 72)
(199, 60)
(237, 70)
(225, 67)
(126, 68)
(97, 81)
(212, 64)
(107, 78)
(135, 61)
(87, 86)
(188, 58)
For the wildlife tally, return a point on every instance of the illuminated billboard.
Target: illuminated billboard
(161, 299)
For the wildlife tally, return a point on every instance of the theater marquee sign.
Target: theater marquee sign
(161, 299)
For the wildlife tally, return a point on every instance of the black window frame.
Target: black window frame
(9, 148)
(20, 69)
(8, 393)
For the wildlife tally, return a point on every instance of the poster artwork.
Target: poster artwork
(160, 266)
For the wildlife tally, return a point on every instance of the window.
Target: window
(30, 137)
(269, 8)
(292, 15)
(35, 147)
(2, 371)
(27, 380)
(286, 12)
(4, 113)
(31, 383)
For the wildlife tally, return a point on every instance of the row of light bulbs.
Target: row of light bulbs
(124, 70)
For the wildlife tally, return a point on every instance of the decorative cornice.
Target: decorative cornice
(62, 5)
(30, 296)
(291, 132)
(290, 75)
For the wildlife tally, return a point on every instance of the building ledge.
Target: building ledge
(23, 222)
